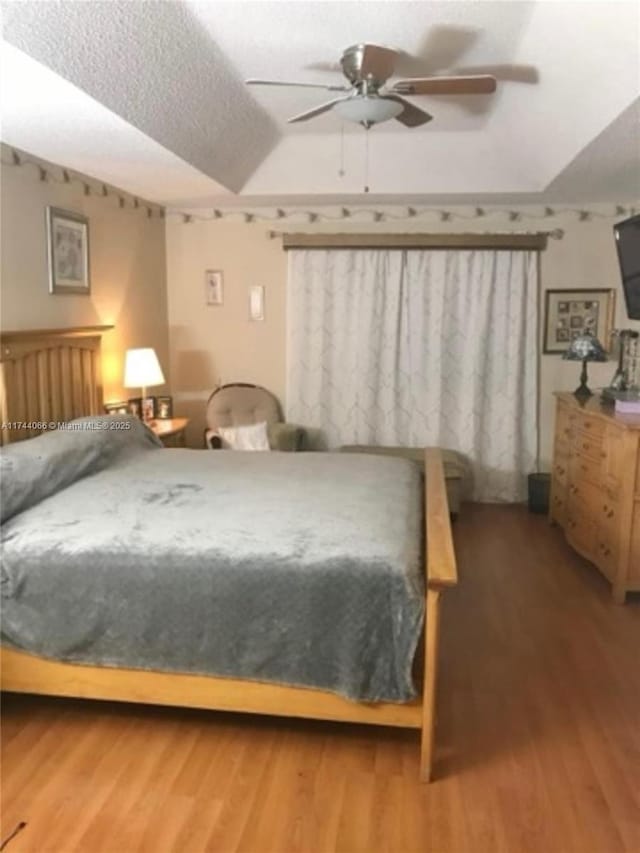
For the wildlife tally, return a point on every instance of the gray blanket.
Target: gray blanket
(302, 568)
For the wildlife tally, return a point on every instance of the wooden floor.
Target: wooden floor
(538, 739)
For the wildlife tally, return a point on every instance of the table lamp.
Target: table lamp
(585, 347)
(142, 369)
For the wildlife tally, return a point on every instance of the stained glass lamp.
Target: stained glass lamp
(585, 347)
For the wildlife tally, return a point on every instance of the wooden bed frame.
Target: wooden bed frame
(54, 375)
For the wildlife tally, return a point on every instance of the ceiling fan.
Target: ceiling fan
(370, 101)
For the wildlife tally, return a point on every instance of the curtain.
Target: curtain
(419, 348)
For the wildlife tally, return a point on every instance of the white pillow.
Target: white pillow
(252, 437)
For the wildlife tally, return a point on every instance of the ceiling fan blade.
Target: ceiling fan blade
(508, 71)
(481, 84)
(316, 111)
(378, 61)
(411, 116)
(324, 66)
(441, 48)
(254, 82)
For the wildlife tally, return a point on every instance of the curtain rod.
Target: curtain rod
(536, 241)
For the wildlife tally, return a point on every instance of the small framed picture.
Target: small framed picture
(570, 313)
(148, 406)
(120, 408)
(68, 251)
(135, 406)
(214, 288)
(256, 302)
(164, 408)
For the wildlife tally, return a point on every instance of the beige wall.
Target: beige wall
(127, 261)
(211, 344)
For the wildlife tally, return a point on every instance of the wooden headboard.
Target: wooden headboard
(48, 375)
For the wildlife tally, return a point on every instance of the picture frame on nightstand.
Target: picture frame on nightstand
(164, 408)
(135, 406)
(119, 408)
(148, 408)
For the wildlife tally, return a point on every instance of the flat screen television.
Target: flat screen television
(627, 236)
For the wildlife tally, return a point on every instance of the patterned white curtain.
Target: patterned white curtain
(419, 348)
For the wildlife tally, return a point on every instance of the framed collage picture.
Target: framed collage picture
(570, 313)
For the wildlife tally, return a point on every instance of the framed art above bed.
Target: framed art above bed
(68, 244)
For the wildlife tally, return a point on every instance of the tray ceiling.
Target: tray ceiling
(150, 96)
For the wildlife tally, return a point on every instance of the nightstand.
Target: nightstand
(171, 431)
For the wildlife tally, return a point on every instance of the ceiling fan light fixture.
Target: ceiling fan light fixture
(368, 110)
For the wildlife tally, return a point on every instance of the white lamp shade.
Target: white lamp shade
(370, 109)
(142, 368)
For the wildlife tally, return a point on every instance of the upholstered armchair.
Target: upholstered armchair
(241, 404)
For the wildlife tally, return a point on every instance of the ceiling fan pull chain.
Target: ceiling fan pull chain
(366, 159)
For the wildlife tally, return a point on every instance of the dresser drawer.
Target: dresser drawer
(609, 515)
(586, 468)
(593, 426)
(581, 533)
(563, 431)
(606, 554)
(558, 506)
(588, 445)
(560, 470)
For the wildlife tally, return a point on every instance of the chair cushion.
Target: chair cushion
(249, 437)
(239, 405)
(285, 436)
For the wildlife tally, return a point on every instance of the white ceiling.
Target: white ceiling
(149, 96)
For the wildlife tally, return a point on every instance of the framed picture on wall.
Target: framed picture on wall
(570, 313)
(214, 287)
(68, 251)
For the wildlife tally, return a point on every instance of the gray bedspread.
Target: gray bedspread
(298, 568)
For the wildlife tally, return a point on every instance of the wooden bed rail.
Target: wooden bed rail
(441, 560)
(441, 572)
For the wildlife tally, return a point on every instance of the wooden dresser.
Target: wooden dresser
(595, 487)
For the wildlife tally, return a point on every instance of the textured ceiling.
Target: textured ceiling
(153, 65)
(49, 117)
(563, 124)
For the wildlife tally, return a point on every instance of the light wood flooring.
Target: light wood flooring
(538, 744)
